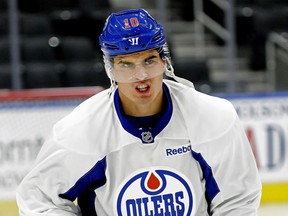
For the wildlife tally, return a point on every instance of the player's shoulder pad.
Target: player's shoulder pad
(80, 126)
(210, 116)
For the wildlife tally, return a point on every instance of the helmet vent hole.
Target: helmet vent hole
(157, 37)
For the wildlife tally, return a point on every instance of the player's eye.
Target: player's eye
(127, 65)
(149, 61)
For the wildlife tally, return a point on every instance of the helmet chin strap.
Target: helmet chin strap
(170, 73)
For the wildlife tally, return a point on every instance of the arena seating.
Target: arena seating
(35, 24)
(5, 80)
(255, 19)
(4, 28)
(4, 50)
(3, 5)
(41, 75)
(89, 73)
(46, 6)
(76, 26)
(58, 46)
(193, 70)
(37, 49)
(76, 49)
(265, 20)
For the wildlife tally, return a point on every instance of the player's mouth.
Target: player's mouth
(142, 88)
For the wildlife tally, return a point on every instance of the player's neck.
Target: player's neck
(145, 109)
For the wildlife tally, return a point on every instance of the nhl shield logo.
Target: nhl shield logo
(147, 137)
(155, 192)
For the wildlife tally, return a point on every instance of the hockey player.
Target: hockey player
(146, 146)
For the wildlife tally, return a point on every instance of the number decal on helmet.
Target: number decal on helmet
(133, 22)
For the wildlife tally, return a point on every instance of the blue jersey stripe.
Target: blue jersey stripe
(211, 186)
(84, 188)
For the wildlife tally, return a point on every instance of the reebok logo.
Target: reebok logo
(178, 150)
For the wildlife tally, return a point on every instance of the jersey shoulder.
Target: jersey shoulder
(210, 116)
(83, 128)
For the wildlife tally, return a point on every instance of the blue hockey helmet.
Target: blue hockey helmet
(131, 31)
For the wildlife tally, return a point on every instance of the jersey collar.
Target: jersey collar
(146, 135)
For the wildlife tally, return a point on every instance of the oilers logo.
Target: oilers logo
(155, 192)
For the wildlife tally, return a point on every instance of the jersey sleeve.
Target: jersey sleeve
(56, 170)
(234, 170)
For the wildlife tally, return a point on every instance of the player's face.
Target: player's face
(138, 66)
(144, 95)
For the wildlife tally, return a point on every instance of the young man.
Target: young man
(147, 146)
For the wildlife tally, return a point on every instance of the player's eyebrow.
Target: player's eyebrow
(151, 57)
(123, 60)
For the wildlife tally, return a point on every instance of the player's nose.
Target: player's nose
(141, 73)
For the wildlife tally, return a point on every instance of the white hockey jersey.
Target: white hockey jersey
(195, 161)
